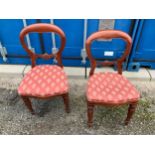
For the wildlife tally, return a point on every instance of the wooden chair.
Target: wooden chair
(110, 89)
(44, 81)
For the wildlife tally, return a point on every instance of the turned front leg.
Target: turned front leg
(66, 102)
(90, 114)
(131, 110)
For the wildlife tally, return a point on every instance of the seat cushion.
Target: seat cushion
(111, 88)
(44, 81)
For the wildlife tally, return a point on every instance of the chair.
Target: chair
(109, 89)
(44, 81)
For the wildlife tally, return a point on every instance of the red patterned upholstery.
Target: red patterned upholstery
(111, 88)
(44, 81)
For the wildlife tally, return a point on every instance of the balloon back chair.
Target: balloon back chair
(44, 81)
(109, 89)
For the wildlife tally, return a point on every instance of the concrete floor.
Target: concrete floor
(20, 70)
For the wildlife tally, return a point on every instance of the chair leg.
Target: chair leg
(131, 110)
(90, 110)
(28, 104)
(66, 102)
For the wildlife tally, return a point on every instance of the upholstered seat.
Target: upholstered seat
(111, 88)
(44, 81)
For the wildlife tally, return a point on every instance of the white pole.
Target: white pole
(85, 32)
(27, 36)
(54, 49)
(83, 51)
(53, 35)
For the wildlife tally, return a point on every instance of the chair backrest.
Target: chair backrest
(108, 34)
(41, 28)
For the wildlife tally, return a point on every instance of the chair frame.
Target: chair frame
(108, 34)
(42, 28)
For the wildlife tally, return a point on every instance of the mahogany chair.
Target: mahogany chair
(110, 89)
(44, 81)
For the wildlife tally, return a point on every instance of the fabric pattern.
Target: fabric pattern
(44, 81)
(111, 88)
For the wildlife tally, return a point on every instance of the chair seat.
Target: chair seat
(111, 88)
(44, 81)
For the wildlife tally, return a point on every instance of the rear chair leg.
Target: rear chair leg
(28, 104)
(131, 110)
(66, 102)
(90, 111)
